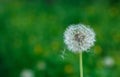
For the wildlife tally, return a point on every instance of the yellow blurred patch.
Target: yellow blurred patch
(17, 43)
(116, 37)
(22, 21)
(55, 45)
(38, 49)
(99, 64)
(32, 40)
(114, 11)
(46, 54)
(90, 10)
(117, 59)
(68, 69)
(98, 49)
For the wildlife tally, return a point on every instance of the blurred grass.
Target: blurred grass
(32, 32)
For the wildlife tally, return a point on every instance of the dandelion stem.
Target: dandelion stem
(81, 67)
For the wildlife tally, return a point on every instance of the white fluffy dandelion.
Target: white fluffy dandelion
(79, 38)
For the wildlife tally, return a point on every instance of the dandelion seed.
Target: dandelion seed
(62, 57)
(79, 38)
(63, 54)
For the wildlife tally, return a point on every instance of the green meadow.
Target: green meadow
(32, 42)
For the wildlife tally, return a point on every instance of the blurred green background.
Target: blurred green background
(31, 38)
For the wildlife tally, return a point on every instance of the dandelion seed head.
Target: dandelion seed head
(79, 38)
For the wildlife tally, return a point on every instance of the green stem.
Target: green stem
(81, 67)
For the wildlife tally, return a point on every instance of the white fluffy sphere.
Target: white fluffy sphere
(79, 38)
